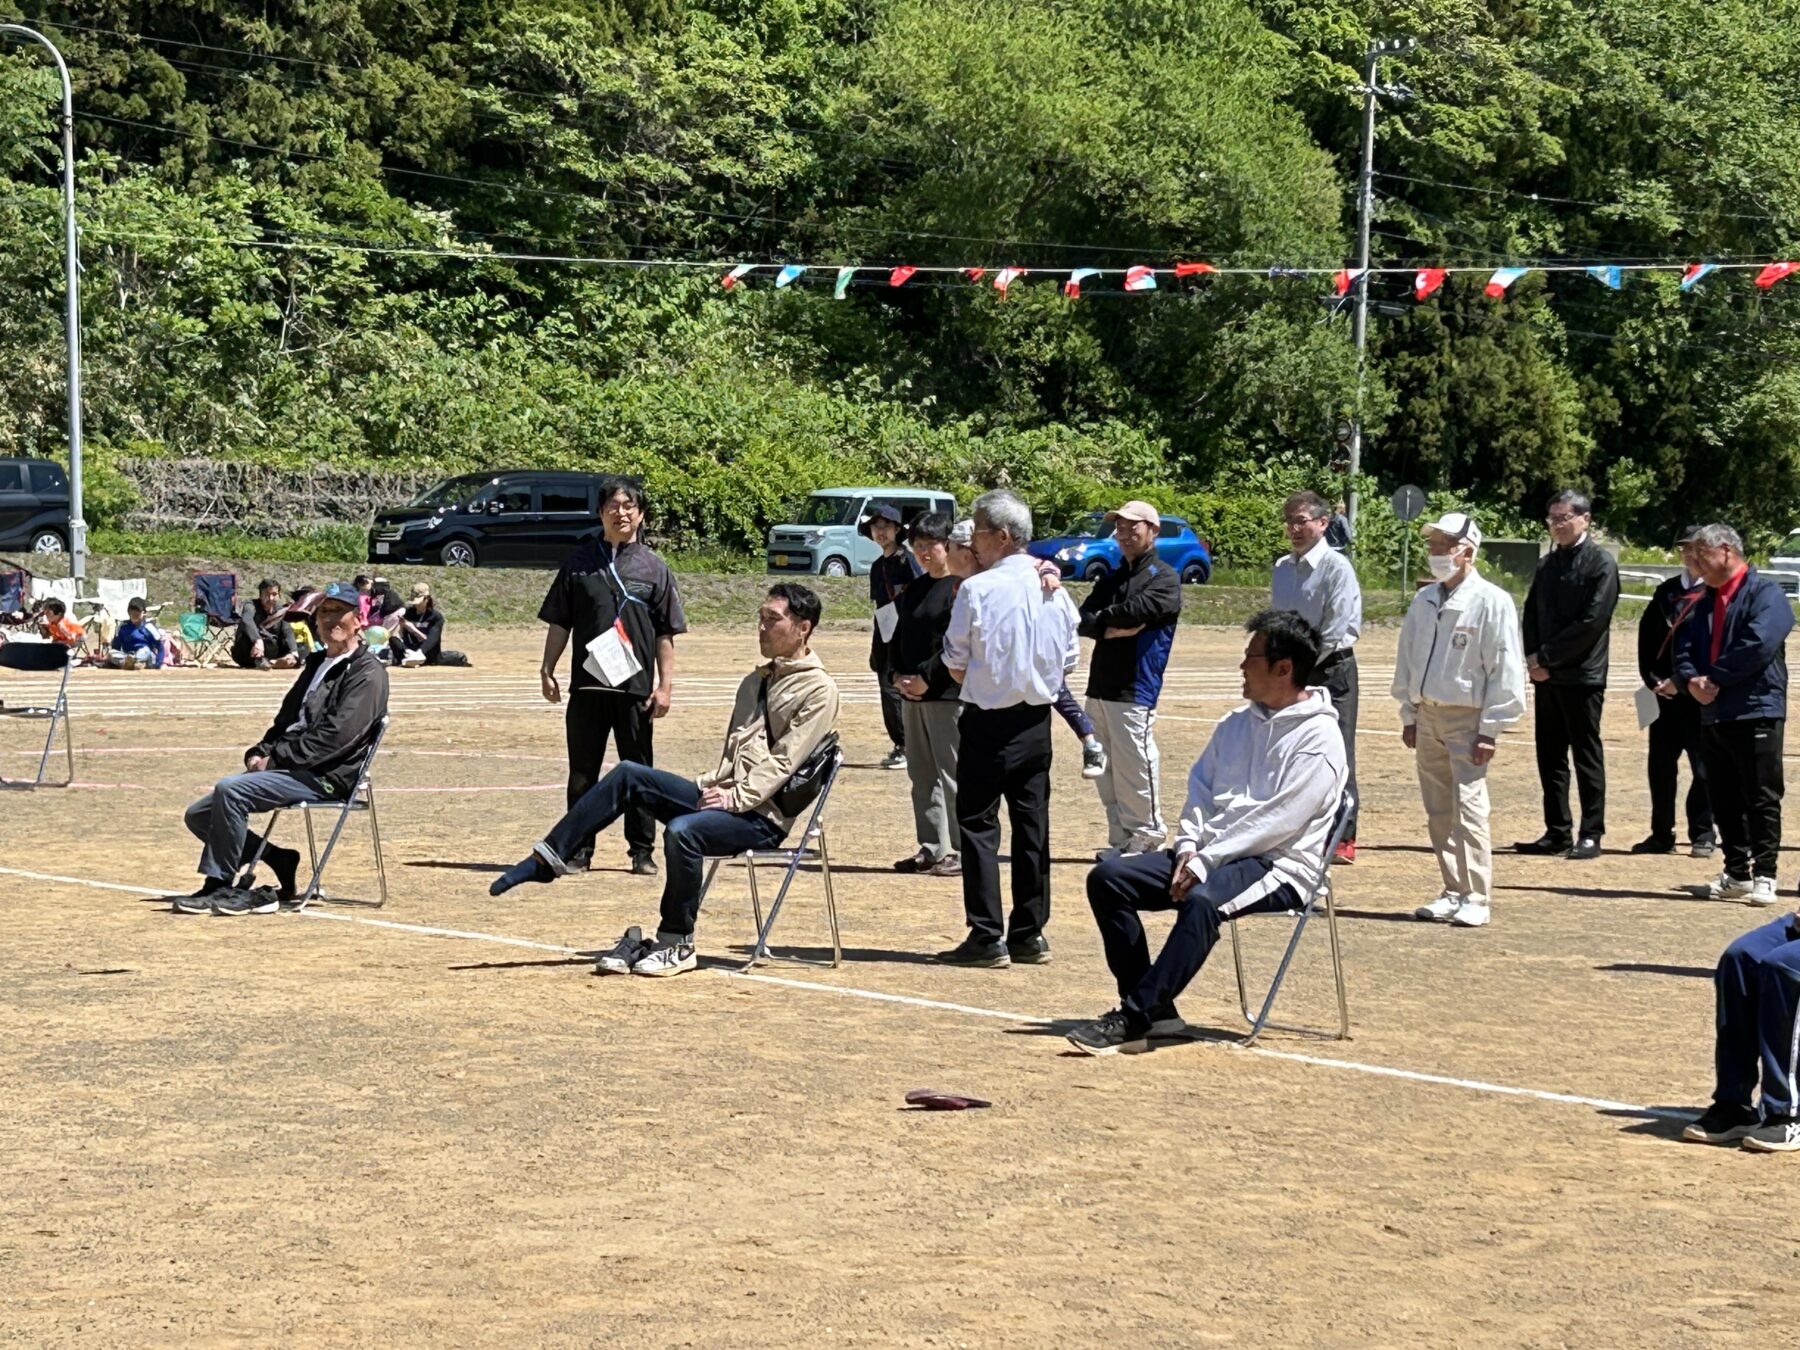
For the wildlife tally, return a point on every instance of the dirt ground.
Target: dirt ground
(436, 1123)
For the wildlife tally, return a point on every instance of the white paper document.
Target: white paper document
(1649, 706)
(610, 658)
(887, 618)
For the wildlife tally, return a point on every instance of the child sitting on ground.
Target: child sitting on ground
(138, 642)
(54, 622)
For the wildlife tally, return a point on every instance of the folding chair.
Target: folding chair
(215, 601)
(15, 590)
(360, 798)
(1319, 886)
(42, 658)
(812, 842)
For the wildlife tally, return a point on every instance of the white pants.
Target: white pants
(1129, 789)
(1456, 799)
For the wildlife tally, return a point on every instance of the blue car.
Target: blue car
(1088, 551)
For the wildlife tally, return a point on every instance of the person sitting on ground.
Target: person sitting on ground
(418, 637)
(262, 640)
(137, 640)
(784, 710)
(54, 623)
(310, 753)
(1757, 989)
(1260, 804)
(385, 605)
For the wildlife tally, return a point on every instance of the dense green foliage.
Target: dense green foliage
(267, 196)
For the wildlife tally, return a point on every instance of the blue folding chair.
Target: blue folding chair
(42, 658)
(215, 601)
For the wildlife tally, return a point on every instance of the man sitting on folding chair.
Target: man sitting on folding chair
(784, 711)
(311, 753)
(1252, 836)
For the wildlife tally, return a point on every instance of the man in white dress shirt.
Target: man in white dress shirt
(1010, 645)
(1318, 583)
(1460, 678)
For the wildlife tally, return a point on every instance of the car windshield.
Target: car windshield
(1790, 547)
(450, 492)
(1090, 527)
(830, 511)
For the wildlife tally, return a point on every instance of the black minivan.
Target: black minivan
(34, 505)
(529, 518)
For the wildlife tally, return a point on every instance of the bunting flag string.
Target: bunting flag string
(736, 275)
(1502, 280)
(1072, 287)
(1691, 277)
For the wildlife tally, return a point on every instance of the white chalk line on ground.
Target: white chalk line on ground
(908, 1000)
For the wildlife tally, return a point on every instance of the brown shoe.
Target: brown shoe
(947, 866)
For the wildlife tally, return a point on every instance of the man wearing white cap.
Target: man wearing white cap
(1460, 678)
(1131, 614)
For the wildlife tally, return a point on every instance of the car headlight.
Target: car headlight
(812, 537)
(1069, 554)
(434, 522)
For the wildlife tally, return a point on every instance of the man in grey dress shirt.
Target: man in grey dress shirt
(1319, 582)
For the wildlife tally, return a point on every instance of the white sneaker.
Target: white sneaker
(1093, 759)
(667, 959)
(1470, 914)
(1724, 887)
(1142, 843)
(1762, 892)
(1440, 910)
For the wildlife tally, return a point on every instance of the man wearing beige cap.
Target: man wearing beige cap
(1131, 614)
(1460, 678)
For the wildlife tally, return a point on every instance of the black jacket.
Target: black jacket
(341, 717)
(1656, 635)
(1568, 613)
(1751, 671)
(1146, 595)
(889, 576)
(918, 645)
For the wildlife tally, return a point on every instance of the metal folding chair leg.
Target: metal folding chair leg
(760, 949)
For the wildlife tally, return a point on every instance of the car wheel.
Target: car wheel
(835, 567)
(458, 553)
(1093, 571)
(48, 541)
(1195, 574)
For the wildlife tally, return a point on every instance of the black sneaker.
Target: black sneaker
(1777, 1134)
(232, 901)
(643, 864)
(1703, 847)
(529, 868)
(1584, 850)
(1032, 951)
(629, 950)
(1722, 1123)
(285, 864)
(1545, 845)
(1111, 1034)
(973, 951)
(1656, 843)
(200, 902)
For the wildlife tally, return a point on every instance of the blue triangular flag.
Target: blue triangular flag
(1610, 276)
(787, 274)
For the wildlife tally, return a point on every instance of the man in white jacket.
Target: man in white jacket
(1260, 804)
(1460, 680)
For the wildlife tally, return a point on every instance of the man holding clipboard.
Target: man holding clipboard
(618, 600)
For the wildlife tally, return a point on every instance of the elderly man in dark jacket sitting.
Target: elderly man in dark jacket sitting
(311, 753)
(1730, 654)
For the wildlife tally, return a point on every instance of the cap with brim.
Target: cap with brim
(963, 532)
(421, 591)
(1687, 535)
(1141, 513)
(866, 526)
(1458, 526)
(341, 592)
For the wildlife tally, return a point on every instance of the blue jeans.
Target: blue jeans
(691, 835)
(221, 819)
(1758, 988)
(1122, 887)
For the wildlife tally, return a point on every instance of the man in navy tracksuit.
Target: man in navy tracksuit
(1730, 656)
(1676, 730)
(1131, 614)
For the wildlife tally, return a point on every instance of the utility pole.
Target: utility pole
(1365, 195)
(72, 288)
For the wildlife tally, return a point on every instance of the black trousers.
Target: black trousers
(1745, 776)
(1340, 681)
(1674, 733)
(892, 700)
(1005, 752)
(1568, 727)
(593, 715)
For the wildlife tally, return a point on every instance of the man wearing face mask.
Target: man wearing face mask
(1459, 676)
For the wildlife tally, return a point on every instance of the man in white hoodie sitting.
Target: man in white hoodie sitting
(1260, 804)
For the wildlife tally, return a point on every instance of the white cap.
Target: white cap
(1457, 526)
(963, 532)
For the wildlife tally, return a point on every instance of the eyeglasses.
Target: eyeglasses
(1563, 519)
(1296, 522)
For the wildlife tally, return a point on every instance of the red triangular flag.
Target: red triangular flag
(1426, 283)
(1193, 269)
(1347, 278)
(974, 273)
(898, 276)
(1774, 272)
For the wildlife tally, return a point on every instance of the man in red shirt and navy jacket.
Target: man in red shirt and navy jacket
(1730, 656)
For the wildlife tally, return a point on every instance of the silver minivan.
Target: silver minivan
(824, 540)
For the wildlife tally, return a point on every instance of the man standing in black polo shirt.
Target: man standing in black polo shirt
(614, 580)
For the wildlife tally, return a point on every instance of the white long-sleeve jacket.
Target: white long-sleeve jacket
(1462, 648)
(1267, 785)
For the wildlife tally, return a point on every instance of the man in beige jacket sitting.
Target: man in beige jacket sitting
(784, 710)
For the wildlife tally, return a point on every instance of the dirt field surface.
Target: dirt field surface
(436, 1124)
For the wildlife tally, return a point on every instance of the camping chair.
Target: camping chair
(42, 658)
(209, 629)
(15, 592)
(812, 841)
(1319, 889)
(360, 798)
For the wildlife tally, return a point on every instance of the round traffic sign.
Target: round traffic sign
(1408, 502)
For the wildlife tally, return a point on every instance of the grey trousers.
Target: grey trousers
(221, 819)
(1129, 789)
(932, 741)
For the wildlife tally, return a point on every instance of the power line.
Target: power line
(1542, 197)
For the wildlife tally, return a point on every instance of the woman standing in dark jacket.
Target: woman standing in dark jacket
(931, 699)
